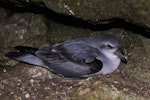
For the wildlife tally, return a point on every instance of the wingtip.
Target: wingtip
(13, 54)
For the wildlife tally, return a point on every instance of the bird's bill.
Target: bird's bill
(121, 56)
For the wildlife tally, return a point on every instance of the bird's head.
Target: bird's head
(111, 46)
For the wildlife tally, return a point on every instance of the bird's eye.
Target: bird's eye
(109, 46)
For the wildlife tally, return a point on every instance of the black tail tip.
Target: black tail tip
(13, 54)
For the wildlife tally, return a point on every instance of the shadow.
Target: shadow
(76, 22)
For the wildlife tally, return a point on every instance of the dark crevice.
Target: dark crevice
(76, 22)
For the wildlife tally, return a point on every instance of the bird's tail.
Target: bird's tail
(26, 55)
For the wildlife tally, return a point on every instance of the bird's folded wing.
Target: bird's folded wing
(71, 61)
(78, 52)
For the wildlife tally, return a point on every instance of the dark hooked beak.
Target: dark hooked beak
(121, 56)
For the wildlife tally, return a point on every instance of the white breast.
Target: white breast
(110, 66)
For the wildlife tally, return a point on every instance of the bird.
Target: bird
(77, 58)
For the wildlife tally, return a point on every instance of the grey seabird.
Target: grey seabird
(77, 58)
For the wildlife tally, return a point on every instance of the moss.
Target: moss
(138, 65)
(4, 61)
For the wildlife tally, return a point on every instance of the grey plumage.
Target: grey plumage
(75, 58)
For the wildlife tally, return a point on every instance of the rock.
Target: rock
(96, 12)
(40, 23)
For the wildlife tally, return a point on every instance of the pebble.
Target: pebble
(27, 95)
(31, 80)
(4, 70)
(36, 75)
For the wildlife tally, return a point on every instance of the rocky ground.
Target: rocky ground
(19, 81)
